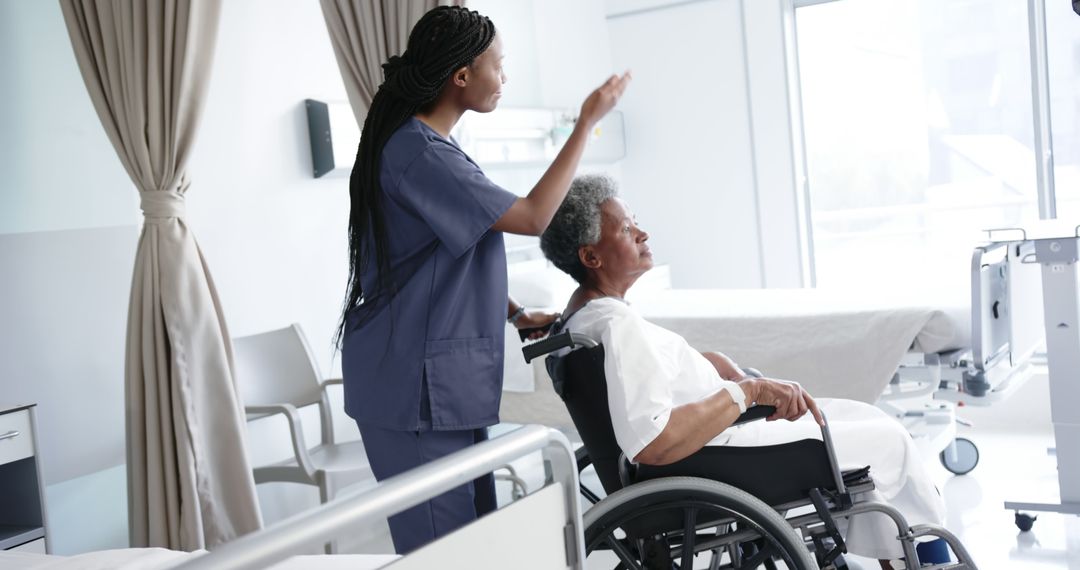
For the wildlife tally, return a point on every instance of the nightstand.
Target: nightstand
(22, 490)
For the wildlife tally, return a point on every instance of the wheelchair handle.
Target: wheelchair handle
(565, 339)
(754, 413)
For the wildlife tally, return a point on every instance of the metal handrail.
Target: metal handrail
(310, 529)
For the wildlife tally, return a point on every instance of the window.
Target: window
(1063, 62)
(918, 131)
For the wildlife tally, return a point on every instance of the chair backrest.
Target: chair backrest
(276, 367)
(580, 382)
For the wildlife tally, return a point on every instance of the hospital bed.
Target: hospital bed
(542, 530)
(917, 355)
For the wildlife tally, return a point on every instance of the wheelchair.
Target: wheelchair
(740, 509)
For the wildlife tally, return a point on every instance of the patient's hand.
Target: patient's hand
(791, 401)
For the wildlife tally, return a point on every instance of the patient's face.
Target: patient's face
(622, 249)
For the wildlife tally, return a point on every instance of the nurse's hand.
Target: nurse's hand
(599, 102)
(536, 320)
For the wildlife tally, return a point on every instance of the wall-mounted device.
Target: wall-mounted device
(334, 137)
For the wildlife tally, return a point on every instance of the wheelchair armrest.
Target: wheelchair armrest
(565, 339)
(550, 344)
(754, 413)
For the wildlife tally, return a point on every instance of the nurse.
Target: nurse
(422, 326)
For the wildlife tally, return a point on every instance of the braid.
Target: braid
(445, 39)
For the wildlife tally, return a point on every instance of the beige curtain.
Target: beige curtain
(365, 33)
(146, 66)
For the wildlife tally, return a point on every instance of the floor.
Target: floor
(1011, 467)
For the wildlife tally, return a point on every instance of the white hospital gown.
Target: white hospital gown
(651, 370)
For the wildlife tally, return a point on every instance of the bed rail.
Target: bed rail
(305, 531)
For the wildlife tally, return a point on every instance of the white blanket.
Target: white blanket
(835, 344)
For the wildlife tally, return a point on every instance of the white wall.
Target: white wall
(709, 130)
(64, 298)
(59, 170)
(689, 173)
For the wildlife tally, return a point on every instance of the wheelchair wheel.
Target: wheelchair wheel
(664, 523)
(964, 460)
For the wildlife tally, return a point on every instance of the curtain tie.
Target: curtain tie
(162, 203)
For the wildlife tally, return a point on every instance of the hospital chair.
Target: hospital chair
(276, 374)
(741, 509)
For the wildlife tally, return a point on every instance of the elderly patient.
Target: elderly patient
(668, 401)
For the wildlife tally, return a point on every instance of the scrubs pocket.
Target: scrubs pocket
(464, 382)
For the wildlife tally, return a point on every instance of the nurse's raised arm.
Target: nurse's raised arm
(532, 214)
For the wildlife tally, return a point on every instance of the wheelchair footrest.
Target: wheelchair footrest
(856, 476)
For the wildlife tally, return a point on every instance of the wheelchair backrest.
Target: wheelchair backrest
(580, 382)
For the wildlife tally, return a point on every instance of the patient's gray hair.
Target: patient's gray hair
(577, 223)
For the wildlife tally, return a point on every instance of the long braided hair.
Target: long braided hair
(445, 39)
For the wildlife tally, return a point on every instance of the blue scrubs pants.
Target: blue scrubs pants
(391, 452)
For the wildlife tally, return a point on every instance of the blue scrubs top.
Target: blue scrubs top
(445, 326)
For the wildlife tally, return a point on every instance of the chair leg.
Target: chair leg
(326, 493)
